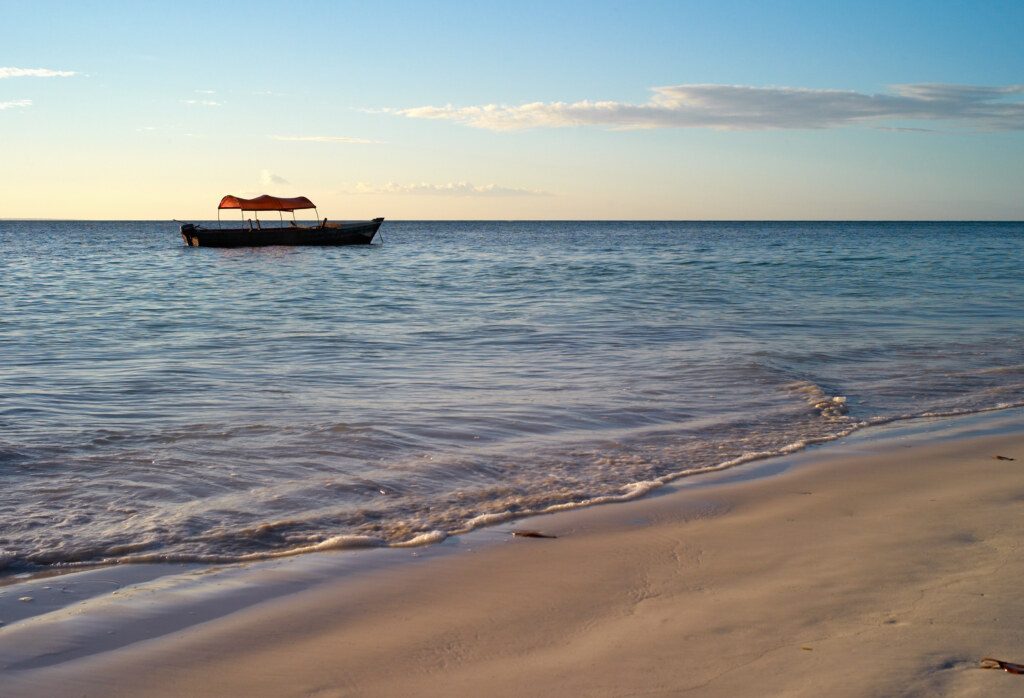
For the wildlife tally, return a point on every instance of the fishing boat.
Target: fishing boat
(253, 233)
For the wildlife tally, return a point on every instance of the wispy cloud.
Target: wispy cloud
(447, 189)
(268, 178)
(754, 108)
(163, 130)
(202, 102)
(327, 139)
(206, 92)
(9, 72)
(907, 129)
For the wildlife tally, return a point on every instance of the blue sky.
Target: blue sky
(416, 110)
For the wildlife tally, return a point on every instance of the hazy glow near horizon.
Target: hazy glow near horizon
(697, 110)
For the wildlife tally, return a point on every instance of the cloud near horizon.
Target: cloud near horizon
(739, 107)
(447, 189)
(9, 72)
(16, 103)
(327, 139)
(268, 178)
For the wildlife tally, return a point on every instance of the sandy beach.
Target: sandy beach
(888, 567)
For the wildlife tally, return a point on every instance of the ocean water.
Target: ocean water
(159, 402)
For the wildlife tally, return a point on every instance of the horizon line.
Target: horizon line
(565, 220)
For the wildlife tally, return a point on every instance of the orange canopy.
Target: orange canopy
(266, 203)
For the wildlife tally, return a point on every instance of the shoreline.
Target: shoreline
(629, 492)
(304, 605)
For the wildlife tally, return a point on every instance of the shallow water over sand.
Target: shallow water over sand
(163, 402)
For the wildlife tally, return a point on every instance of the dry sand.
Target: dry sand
(885, 574)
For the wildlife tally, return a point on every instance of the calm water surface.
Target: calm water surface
(159, 402)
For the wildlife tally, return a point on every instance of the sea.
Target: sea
(166, 403)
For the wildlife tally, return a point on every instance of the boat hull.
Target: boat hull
(349, 233)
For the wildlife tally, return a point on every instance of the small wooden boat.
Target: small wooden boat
(282, 233)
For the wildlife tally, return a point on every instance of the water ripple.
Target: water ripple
(164, 402)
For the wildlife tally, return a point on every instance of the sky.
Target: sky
(515, 110)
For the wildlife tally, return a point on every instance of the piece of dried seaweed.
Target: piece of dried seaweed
(531, 534)
(1009, 667)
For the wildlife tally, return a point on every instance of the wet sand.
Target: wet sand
(882, 568)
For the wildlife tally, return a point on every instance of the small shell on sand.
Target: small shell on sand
(24, 598)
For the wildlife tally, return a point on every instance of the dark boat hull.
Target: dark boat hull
(354, 233)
